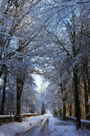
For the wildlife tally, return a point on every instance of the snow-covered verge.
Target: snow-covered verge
(84, 123)
(65, 128)
(14, 128)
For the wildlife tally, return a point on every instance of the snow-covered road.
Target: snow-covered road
(50, 127)
(43, 125)
(39, 129)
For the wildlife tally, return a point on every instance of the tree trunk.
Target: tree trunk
(70, 110)
(3, 96)
(88, 78)
(20, 83)
(63, 99)
(86, 97)
(85, 77)
(75, 79)
(19, 91)
(77, 102)
(18, 103)
(64, 111)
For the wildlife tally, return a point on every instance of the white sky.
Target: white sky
(39, 82)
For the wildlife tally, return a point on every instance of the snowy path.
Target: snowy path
(38, 129)
(54, 127)
(40, 126)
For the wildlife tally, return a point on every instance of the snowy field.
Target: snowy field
(55, 127)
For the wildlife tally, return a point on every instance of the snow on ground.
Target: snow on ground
(11, 129)
(65, 128)
(55, 127)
